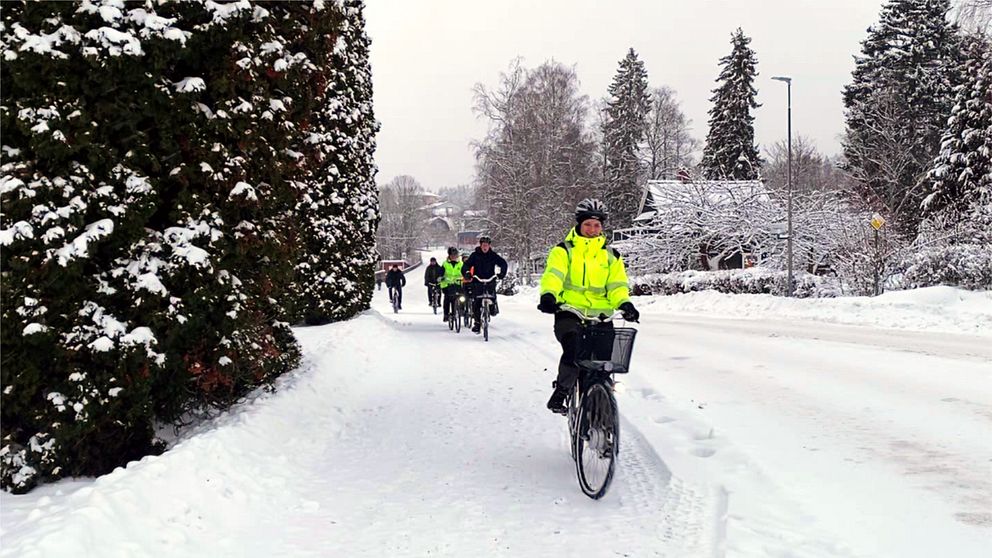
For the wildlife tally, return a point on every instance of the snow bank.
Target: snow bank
(946, 309)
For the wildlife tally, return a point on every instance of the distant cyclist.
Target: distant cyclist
(584, 273)
(395, 281)
(432, 276)
(482, 264)
(451, 281)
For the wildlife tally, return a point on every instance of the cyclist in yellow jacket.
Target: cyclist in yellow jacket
(584, 273)
(451, 281)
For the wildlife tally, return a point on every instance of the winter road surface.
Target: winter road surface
(400, 438)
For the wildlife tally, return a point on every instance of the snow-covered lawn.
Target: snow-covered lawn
(774, 435)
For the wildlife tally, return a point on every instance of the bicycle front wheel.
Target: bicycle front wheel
(597, 440)
(485, 321)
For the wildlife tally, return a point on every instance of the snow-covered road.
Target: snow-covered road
(401, 438)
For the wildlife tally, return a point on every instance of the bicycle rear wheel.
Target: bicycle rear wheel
(458, 318)
(597, 440)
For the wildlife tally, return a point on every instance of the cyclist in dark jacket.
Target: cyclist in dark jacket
(395, 281)
(432, 277)
(483, 263)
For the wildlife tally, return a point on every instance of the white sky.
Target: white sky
(427, 55)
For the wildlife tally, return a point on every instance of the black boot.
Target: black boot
(477, 327)
(557, 402)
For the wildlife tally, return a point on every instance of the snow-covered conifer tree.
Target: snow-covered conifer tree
(962, 172)
(624, 130)
(898, 103)
(338, 207)
(730, 152)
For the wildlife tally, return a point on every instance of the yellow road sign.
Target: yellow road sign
(877, 221)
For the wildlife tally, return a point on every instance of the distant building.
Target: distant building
(468, 239)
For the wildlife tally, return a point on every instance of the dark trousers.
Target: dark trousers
(451, 293)
(477, 289)
(398, 293)
(575, 346)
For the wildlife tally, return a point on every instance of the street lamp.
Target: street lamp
(788, 83)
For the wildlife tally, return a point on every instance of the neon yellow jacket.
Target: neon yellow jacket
(584, 273)
(452, 273)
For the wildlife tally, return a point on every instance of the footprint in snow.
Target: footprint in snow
(703, 452)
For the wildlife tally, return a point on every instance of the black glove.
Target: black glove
(549, 304)
(629, 312)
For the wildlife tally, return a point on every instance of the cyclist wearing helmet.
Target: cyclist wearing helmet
(451, 280)
(584, 273)
(482, 263)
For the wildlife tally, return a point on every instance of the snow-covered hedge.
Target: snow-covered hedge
(167, 168)
(967, 265)
(735, 281)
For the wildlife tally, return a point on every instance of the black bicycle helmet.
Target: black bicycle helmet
(591, 208)
(452, 251)
(485, 238)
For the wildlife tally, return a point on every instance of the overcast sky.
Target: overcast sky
(428, 54)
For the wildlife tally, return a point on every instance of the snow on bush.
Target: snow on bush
(735, 281)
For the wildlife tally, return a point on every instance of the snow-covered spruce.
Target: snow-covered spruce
(897, 105)
(623, 131)
(730, 152)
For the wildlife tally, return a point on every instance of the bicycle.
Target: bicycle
(455, 314)
(487, 301)
(435, 296)
(593, 416)
(394, 299)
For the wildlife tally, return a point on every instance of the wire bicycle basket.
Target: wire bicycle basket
(607, 350)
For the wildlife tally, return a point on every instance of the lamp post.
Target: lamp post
(788, 83)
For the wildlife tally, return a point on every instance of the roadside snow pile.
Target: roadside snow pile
(941, 308)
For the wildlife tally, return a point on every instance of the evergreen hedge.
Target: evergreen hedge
(156, 162)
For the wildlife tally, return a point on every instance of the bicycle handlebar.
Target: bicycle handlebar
(481, 280)
(602, 318)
